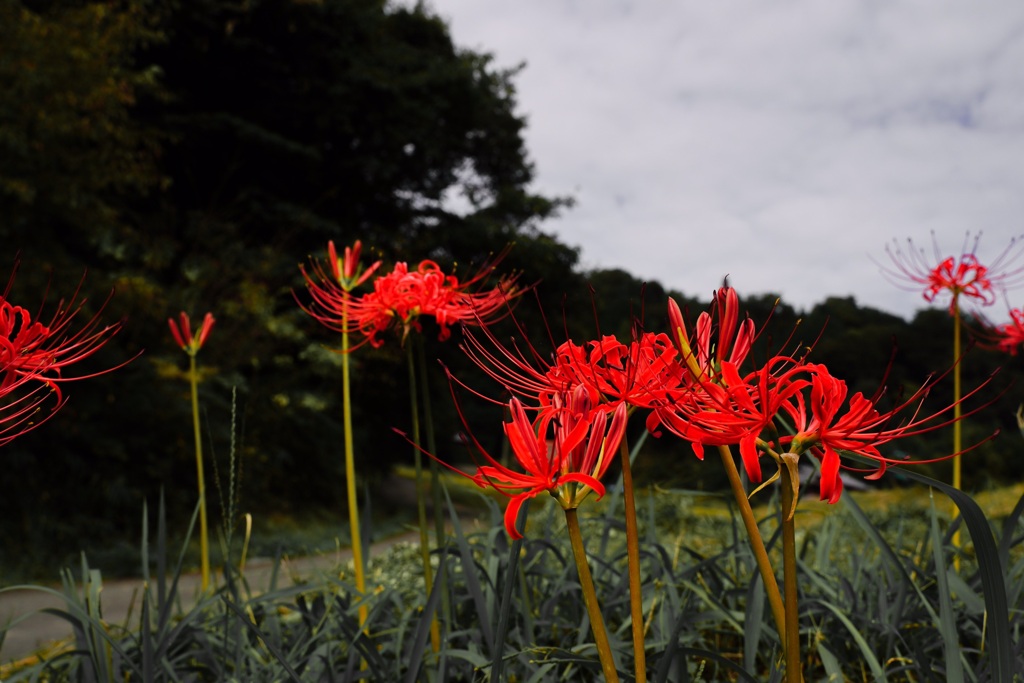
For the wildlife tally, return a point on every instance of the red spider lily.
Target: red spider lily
(32, 349)
(639, 374)
(735, 410)
(963, 276)
(564, 452)
(347, 271)
(35, 355)
(861, 429)
(23, 402)
(183, 336)
(402, 297)
(1008, 337)
(330, 285)
(708, 348)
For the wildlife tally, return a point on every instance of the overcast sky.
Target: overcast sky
(783, 143)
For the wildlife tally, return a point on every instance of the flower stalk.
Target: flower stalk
(957, 426)
(636, 598)
(579, 553)
(350, 477)
(204, 531)
(789, 487)
(764, 563)
(190, 344)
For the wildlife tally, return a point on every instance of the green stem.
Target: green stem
(764, 564)
(604, 650)
(204, 536)
(350, 475)
(636, 608)
(421, 503)
(957, 427)
(792, 639)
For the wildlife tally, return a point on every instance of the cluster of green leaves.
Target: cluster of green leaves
(879, 602)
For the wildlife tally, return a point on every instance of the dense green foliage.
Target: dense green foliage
(880, 601)
(191, 155)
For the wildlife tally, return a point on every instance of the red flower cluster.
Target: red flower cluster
(1007, 337)
(35, 356)
(963, 276)
(693, 387)
(564, 451)
(401, 297)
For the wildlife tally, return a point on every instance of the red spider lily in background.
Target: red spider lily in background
(959, 276)
(330, 285)
(347, 271)
(1006, 337)
(183, 336)
(565, 452)
(402, 296)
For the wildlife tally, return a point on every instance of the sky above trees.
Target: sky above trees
(782, 144)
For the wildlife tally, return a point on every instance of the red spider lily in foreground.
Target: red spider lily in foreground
(564, 451)
(638, 374)
(22, 404)
(959, 276)
(43, 351)
(724, 407)
(35, 357)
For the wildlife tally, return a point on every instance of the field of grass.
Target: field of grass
(872, 572)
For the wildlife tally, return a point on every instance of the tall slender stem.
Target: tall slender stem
(764, 564)
(350, 473)
(604, 649)
(204, 535)
(421, 503)
(792, 609)
(636, 607)
(957, 427)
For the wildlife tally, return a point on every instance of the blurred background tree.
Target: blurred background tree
(192, 155)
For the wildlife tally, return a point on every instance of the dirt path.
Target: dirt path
(35, 630)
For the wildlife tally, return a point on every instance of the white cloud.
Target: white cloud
(781, 142)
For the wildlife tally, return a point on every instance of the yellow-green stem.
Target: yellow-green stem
(421, 504)
(604, 649)
(764, 564)
(957, 431)
(636, 608)
(350, 475)
(204, 536)
(792, 609)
